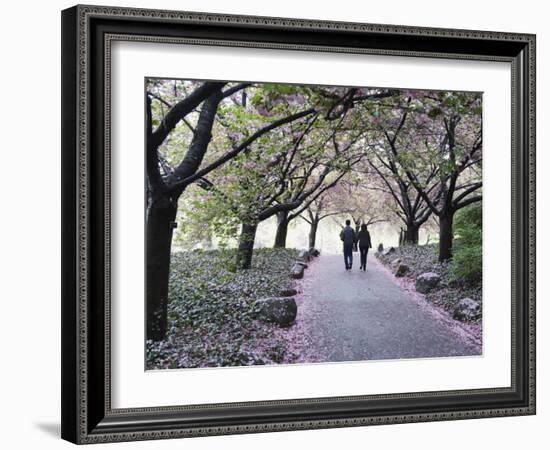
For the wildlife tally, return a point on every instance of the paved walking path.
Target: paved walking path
(350, 316)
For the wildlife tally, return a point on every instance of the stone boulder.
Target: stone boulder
(297, 271)
(401, 270)
(302, 264)
(279, 310)
(467, 309)
(304, 255)
(314, 252)
(388, 251)
(287, 291)
(380, 248)
(427, 281)
(396, 262)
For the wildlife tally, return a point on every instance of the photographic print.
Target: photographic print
(302, 199)
(310, 224)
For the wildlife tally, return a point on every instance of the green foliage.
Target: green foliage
(466, 264)
(289, 160)
(424, 258)
(434, 112)
(205, 218)
(211, 310)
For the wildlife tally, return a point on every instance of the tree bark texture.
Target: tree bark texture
(445, 236)
(160, 219)
(410, 235)
(282, 229)
(313, 233)
(246, 245)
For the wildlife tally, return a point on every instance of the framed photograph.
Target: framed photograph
(280, 224)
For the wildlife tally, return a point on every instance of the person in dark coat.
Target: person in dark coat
(347, 235)
(363, 238)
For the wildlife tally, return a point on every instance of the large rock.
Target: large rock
(314, 252)
(305, 266)
(304, 255)
(401, 270)
(279, 310)
(467, 309)
(427, 281)
(388, 251)
(287, 291)
(297, 271)
(396, 262)
(380, 248)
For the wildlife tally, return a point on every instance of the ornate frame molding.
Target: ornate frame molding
(80, 423)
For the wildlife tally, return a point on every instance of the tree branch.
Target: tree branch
(468, 201)
(244, 145)
(160, 99)
(465, 193)
(181, 109)
(207, 185)
(152, 162)
(230, 91)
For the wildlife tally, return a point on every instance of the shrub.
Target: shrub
(466, 264)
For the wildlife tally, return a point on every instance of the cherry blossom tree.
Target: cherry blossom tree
(229, 155)
(393, 131)
(444, 165)
(166, 183)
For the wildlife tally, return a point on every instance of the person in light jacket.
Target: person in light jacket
(363, 239)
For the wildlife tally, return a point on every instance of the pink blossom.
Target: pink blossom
(263, 112)
(375, 120)
(300, 100)
(415, 93)
(233, 135)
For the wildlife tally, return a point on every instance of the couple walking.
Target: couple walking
(350, 239)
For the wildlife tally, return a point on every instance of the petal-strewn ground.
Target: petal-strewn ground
(356, 315)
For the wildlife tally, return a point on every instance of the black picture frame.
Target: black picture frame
(87, 416)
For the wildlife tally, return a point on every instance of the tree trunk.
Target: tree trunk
(160, 219)
(445, 236)
(282, 229)
(246, 245)
(410, 236)
(208, 241)
(313, 233)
